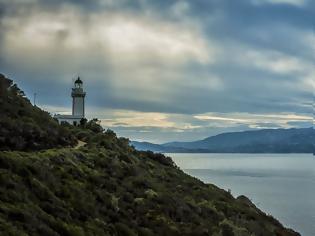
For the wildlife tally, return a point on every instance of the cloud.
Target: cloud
(121, 37)
(164, 42)
(298, 3)
(276, 62)
(157, 125)
(217, 118)
(138, 119)
(279, 119)
(309, 39)
(180, 8)
(161, 69)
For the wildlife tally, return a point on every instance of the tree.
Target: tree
(83, 122)
(95, 126)
(4, 84)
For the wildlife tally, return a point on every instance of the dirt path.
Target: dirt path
(80, 144)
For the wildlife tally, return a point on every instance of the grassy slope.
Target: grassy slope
(99, 191)
(108, 188)
(27, 127)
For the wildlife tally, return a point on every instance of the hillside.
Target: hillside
(117, 192)
(260, 141)
(109, 188)
(27, 127)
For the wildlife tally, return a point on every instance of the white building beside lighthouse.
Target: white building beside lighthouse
(78, 106)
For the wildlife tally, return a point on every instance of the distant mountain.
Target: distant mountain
(260, 141)
(146, 146)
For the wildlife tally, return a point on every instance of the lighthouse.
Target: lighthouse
(78, 96)
(78, 105)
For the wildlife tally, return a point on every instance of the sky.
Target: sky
(165, 70)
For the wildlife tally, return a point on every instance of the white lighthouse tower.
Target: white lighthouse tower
(78, 96)
(78, 109)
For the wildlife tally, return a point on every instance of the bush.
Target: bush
(164, 160)
(124, 230)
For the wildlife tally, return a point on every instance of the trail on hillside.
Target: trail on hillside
(80, 144)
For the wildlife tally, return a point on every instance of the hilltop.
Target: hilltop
(107, 187)
(26, 127)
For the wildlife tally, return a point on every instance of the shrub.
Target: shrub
(124, 230)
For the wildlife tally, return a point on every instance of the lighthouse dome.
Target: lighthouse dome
(78, 81)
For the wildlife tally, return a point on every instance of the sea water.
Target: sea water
(282, 185)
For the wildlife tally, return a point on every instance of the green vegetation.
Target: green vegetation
(109, 188)
(117, 191)
(26, 127)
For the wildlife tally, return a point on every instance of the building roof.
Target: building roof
(59, 116)
(78, 81)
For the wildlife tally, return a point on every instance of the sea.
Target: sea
(282, 185)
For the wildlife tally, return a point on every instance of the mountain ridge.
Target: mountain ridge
(293, 140)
